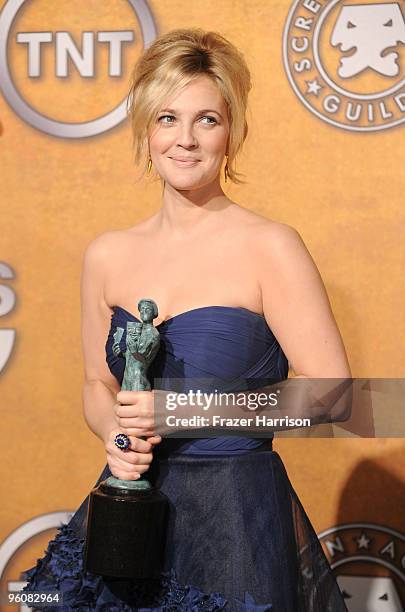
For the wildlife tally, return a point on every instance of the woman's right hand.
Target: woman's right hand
(129, 464)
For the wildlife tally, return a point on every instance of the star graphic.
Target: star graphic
(362, 541)
(313, 87)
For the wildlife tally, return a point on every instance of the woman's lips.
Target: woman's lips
(184, 163)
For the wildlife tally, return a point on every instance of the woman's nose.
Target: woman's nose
(186, 136)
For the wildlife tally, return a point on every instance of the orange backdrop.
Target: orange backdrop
(342, 189)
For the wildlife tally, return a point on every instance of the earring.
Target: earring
(226, 173)
(149, 166)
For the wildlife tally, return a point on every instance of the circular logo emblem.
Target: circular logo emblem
(20, 537)
(7, 304)
(346, 61)
(66, 57)
(368, 562)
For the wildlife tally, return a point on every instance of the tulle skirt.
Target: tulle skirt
(238, 540)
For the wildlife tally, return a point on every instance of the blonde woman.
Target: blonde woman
(239, 298)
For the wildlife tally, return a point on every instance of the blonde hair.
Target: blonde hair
(170, 63)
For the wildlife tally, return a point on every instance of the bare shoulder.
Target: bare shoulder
(98, 260)
(113, 241)
(266, 235)
(279, 240)
(279, 249)
(102, 244)
(105, 243)
(265, 228)
(102, 247)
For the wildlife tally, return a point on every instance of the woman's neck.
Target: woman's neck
(183, 210)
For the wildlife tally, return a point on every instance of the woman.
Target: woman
(239, 297)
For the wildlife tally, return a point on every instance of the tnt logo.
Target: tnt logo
(346, 61)
(65, 66)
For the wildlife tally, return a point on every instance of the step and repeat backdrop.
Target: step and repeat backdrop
(325, 154)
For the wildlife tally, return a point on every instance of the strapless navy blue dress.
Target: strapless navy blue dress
(239, 539)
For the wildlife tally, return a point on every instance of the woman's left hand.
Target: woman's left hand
(134, 413)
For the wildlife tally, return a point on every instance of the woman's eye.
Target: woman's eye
(165, 117)
(212, 120)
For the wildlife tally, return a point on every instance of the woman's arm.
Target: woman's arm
(101, 407)
(297, 309)
(100, 386)
(296, 305)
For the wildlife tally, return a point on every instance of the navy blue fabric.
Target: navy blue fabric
(239, 539)
(234, 348)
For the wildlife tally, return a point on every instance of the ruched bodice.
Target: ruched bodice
(232, 347)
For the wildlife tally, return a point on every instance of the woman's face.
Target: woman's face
(188, 144)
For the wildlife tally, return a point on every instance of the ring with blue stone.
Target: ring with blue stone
(122, 441)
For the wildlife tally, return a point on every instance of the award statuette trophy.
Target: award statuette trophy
(127, 519)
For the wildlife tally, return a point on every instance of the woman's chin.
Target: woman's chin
(188, 183)
(185, 184)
